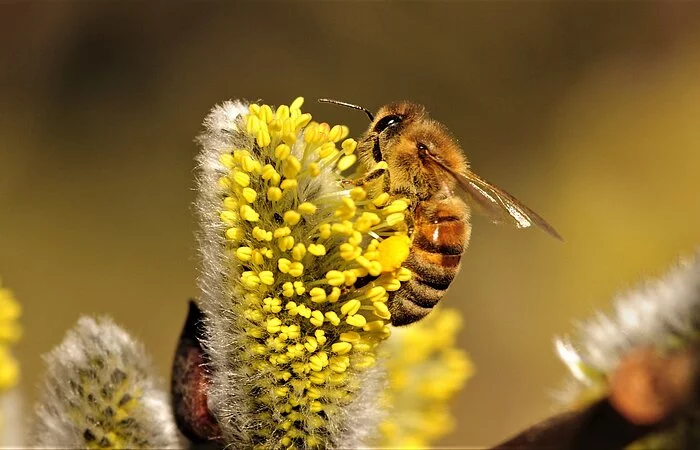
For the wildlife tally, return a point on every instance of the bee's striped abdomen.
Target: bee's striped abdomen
(440, 236)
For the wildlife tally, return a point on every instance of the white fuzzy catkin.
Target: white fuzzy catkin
(661, 313)
(353, 425)
(225, 397)
(99, 392)
(653, 314)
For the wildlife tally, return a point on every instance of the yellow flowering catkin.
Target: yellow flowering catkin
(10, 332)
(425, 370)
(294, 279)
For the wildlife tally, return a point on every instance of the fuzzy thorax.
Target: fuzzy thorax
(99, 393)
(296, 270)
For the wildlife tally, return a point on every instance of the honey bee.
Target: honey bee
(425, 164)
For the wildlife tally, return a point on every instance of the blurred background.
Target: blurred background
(590, 113)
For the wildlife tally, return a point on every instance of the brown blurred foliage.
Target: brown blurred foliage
(586, 111)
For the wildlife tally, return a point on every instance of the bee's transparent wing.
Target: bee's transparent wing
(494, 202)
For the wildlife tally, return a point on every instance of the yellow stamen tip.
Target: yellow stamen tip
(318, 295)
(317, 249)
(396, 206)
(316, 318)
(244, 253)
(350, 336)
(283, 264)
(381, 199)
(227, 160)
(314, 169)
(288, 184)
(349, 146)
(296, 269)
(335, 278)
(325, 231)
(381, 310)
(307, 208)
(292, 217)
(358, 194)
(285, 243)
(268, 172)
(274, 193)
(350, 307)
(341, 348)
(273, 325)
(266, 278)
(249, 214)
(250, 280)
(291, 167)
(282, 232)
(299, 251)
(230, 203)
(228, 217)
(249, 194)
(288, 291)
(296, 104)
(357, 320)
(395, 219)
(327, 150)
(234, 234)
(346, 162)
(333, 318)
(241, 178)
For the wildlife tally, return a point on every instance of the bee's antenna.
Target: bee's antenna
(347, 105)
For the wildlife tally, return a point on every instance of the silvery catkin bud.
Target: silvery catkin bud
(99, 392)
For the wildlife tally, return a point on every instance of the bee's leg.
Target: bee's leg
(410, 223)
(373, 175)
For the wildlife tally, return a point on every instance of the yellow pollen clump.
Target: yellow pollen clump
(393, 251)
(298, 244)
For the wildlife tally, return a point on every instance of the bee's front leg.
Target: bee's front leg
(378, 171)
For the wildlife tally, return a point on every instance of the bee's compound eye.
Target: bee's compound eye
(387, 121)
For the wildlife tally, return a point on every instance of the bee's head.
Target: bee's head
(403, 135)
(385, 128)
(392, 118)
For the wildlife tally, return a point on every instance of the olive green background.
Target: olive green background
(590, 113)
